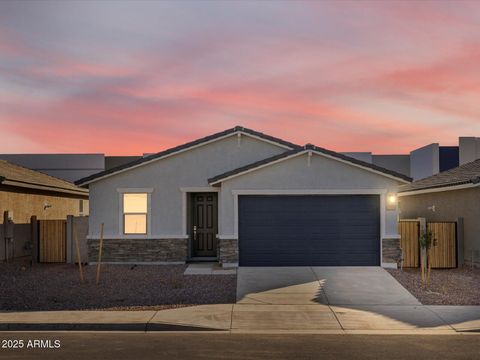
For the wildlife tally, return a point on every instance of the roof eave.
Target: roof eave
(186, 147)
(13, 183)
(217, 180)
(440, 188)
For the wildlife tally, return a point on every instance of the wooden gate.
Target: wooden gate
(52, 236)
(444, 254)
(409, 231)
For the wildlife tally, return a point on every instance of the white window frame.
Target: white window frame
(121, 214)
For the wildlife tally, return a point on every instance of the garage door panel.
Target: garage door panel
(309, 230)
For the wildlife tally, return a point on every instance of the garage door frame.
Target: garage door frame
(381, 192)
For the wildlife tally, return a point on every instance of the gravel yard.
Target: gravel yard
(122, 287)
(446, 287)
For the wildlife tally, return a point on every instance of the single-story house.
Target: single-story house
(245, 198)
(25, 193)
(448, 196)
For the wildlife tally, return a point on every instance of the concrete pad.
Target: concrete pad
(207, 268)
(279, 280)
(421, 332)
(362, 286)
(388, 318)
(461, 318)
(283, 317)
(77, 317)
(275, 298)
(291, 332)
(217, 316)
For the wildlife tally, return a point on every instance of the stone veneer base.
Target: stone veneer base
(228, 251)
(139, 250)
(391, 251)
(174, 251)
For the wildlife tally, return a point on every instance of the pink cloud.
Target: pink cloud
(321, 78)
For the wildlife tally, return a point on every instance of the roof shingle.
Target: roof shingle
(220, 177)
(16, 175)
(465, 174)
(185, 146)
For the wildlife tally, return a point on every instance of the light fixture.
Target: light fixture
(391, 201)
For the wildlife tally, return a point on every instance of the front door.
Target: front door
(204, 224)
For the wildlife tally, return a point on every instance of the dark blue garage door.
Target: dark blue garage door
(309, 230)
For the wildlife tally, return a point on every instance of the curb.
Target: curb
(139, 327)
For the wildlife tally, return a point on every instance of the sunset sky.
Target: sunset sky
(136, 77)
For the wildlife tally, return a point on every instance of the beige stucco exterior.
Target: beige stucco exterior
(449, 206)
(24, 203)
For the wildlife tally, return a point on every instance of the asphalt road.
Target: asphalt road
(210, 346)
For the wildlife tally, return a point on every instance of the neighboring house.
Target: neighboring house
(427, 160)
(448, 196)
(69, 167)
(243, 197)
(420, 163)
(24, 193)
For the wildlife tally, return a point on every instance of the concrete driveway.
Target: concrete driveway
(320, 285)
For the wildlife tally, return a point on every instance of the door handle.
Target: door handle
(194, 232)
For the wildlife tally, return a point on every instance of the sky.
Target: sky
(133, 77)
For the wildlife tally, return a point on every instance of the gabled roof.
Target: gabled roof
(19, 176)
(465, 174)
(184, 147)
(305, 149)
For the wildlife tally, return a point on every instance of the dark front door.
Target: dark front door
(204, 224)
(312, 230)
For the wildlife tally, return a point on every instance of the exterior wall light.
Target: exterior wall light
(392, 201)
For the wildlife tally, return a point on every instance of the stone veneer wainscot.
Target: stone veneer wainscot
(139, 250)
(391, 251)
(228, 251)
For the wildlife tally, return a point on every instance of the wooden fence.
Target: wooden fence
(409, 232)
(443, 255)
(51, 241)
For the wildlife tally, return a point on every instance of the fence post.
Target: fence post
(423, 225)
(100, 246)
(460, 242)
(5, 232)
(34, 238)
(423, 254)
(68, 240)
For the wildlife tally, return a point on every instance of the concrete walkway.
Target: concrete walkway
(248, 318)
(208, 268)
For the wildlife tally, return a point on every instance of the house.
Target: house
(25, 193)
(69, 167)
(245, 198)
(448, 196)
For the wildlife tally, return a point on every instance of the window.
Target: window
(135, 211)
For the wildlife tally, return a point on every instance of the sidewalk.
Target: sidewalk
(248, 318)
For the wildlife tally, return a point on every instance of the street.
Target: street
(83, 345)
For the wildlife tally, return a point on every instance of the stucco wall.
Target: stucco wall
(469, 149)
(449, 205)
(166, 177)
(24, 205)
(424, 162)
(322, 174)
(398, 163)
